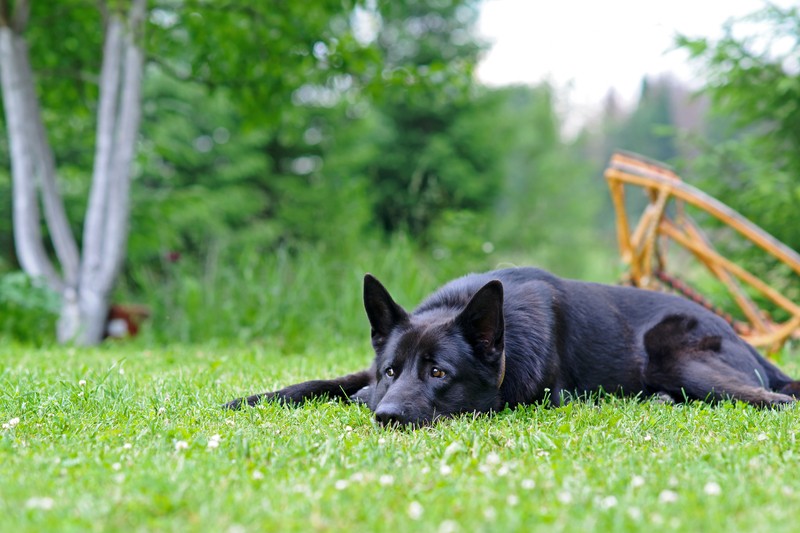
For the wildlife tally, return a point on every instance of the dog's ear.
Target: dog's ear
(482, 323)
(383, 313)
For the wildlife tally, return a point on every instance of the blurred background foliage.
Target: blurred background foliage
(286, 150)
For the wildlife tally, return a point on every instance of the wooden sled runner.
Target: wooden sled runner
(643, 248)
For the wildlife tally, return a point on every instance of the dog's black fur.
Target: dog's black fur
(519, 336)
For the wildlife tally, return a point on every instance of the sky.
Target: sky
(586, 47)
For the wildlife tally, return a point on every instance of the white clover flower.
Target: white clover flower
(445, 470)
(453, 448)
(181, 445)
(213, 442)
(386, 479)
(11, 423)
(608, 502)
(127, 446)
(448, 526)
(668, 496)
(564, 497)
(257, 474)
(712, 488)
(527, 484)
(44, 503)
(415, 510)
(512, 500)
(82, 383)
(340, 484)
(637, 481)
(492, 459)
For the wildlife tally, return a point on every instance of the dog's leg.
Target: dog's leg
(711, 379)
(707, 378)
(687, 365)
(344, 387)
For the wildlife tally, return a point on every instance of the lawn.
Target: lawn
(128, 438)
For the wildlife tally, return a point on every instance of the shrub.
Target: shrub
(28, 309)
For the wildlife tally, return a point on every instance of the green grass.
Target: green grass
(109, 454)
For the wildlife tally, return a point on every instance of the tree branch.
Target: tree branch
(130, 109)
(27, 224)
(54, 212)
(96, 212)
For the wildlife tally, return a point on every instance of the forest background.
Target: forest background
(285, 152)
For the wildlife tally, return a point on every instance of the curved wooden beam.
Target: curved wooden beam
(639, 246)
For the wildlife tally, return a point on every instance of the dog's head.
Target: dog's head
(436, 363)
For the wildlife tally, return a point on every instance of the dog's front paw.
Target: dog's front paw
(662, 397)
(234, 404)
(362, 396)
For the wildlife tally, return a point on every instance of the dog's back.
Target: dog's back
(565, 336)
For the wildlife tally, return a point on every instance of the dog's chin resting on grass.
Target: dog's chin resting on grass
(522, 335)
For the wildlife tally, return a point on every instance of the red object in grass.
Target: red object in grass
(124, 320)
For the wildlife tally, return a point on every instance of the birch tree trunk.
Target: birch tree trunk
(85, 281)
(21, 133)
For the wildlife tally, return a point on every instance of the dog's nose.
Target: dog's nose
(389, 415)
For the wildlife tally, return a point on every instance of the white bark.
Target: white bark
(54, 213)
(69, 320)
(21, 132)
(93, 308)
(119, 177)
(95, 221)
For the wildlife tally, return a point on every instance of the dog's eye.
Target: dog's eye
(389, 372)
(437, 372)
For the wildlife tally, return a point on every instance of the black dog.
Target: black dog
(520, 336)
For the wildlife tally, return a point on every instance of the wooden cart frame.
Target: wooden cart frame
(642, 247)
